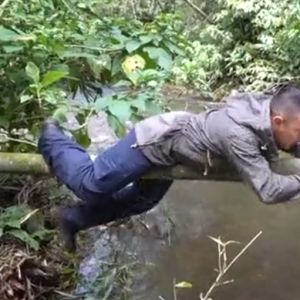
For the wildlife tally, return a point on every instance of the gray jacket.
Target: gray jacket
(239, 132)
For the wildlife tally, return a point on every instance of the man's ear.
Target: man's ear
(278, 120)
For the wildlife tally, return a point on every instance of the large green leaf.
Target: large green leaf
(7, 35)
(13, 223)
(139, 103)
(60, 114)
(53, 76)
(120, 109)
(161, 56)
(153, 108)
(12, 49)
(146, 39)
(4, 122)
(50, 97)
(25, 237)
(116, 65)
(132, 45)
(15, 212)
(25, 98)
(82, 137)
(42, 234)
(174, 48)
(33, 71)
(102, 103)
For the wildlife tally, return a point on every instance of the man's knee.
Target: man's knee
(152, 192)
(154, 188)
(144, 190)
(141, 196)
(87, 187)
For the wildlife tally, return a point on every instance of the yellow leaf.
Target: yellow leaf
(183, 284)
(133, 63)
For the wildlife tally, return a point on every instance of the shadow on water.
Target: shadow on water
(269, 269)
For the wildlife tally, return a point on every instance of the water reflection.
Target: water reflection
(268, 270)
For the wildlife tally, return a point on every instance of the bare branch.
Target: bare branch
(223, 270)
(198, 10)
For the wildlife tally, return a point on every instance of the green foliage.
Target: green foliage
(53, 48)
(13, 222)
(250, 45)
(50, 49)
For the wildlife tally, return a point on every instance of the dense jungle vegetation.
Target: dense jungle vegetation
(50, 49)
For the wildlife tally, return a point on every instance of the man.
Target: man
(247, 131)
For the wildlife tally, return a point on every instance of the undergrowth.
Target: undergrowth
(33, 265)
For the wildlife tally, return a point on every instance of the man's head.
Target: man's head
(285, 117)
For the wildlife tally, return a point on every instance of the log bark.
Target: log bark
(33, 164)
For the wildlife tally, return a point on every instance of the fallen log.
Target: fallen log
(33, 164)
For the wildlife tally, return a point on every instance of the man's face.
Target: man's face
(286, 130)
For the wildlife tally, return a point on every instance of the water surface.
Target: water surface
(269, 269)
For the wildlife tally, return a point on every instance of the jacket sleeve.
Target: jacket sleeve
(295, 151)
(242, 150)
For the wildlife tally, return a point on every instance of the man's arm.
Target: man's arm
(242, 150)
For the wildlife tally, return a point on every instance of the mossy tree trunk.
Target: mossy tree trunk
(27, 163)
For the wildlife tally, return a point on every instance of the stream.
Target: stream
(267, 270)
(198, 209)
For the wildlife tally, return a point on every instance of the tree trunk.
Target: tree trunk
(27, 163)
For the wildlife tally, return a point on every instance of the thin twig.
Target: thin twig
(223, 272)
(85, 122)
(174, 289)
(242, 252)
(219, 257)
(3, 5)
(19, 141)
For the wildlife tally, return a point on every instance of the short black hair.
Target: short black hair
(286, 100)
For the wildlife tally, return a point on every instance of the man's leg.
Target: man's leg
(99, 183)
(92, 181)
(131, 200)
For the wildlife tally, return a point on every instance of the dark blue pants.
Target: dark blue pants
(111, 187)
